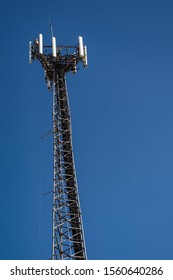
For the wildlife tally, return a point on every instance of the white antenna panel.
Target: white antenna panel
(40, 43)
(81, 50)
(54, 46)
(85, 57)
(30, 55)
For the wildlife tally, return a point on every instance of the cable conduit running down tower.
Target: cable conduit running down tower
(68, 241)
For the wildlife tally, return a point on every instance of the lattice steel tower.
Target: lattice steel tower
(67, 233)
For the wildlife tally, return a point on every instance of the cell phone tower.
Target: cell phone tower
(68, 241)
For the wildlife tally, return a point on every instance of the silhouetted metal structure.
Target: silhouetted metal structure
(67, 235)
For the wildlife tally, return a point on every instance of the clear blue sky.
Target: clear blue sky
(122, 117)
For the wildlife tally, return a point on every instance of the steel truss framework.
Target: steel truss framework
(67, 234)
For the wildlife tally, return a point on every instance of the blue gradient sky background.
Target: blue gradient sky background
(122, 117)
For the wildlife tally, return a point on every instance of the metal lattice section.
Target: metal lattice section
(68, 239)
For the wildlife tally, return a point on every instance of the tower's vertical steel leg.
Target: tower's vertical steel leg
(68, 236)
